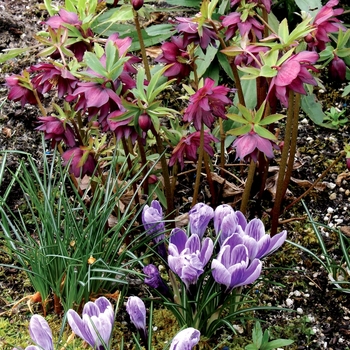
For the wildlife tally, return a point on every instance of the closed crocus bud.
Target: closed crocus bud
(199, 217)
(186, 339)
(337, 68)
(137, 4)
(40, 332)
(154, 280)
(145, 122)
(136, 309)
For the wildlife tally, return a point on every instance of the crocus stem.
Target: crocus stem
(324, 173)
(276, 210)
(142, 45)
(199, 166)
(248, 187)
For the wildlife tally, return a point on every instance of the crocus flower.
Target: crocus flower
(188, 146)
(188, 256)
(40, 333)
(258, 243)
(207, 104)
(175, 53)
(56, 130)
(325, 22)
(292, 74)
(337, 69)
(136, 309)
(186, 339)
(232, 266)
(193, 33)
(199, 217)
(153, 221)
(96, 322)
(227, 222)
(49, 76)
(154, 280)
(80, 164)
(248, 145)
(18, 90)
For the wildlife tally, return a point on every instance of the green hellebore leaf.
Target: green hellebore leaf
(300, 31)
(247, 114)
(204, 60)
(312, 108)
(251, 347)
(283, 31)
(251, 73)
(236, 118)
(259, 113)
(271, 119)
(12, 53)
(264, 132)
(94, 63)
(257, 335)
(242, 130)
(278, 343)
(112, 55)
(224, 63)
(345, 52)
(267, 72)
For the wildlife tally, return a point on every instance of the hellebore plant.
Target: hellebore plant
(207, 279)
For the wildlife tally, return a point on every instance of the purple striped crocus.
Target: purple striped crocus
(185, 339)
(199, 217)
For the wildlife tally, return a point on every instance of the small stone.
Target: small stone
(333, 196)
(300, 311)
(331, 185)
(304, 121)
(297, 293)
(289, 302)
(347, 192)
(330, 210)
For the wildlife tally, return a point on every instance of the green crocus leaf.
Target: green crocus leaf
(271, 119)
(264, 132)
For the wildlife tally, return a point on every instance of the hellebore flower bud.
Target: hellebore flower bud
(137, 4)
(145, 122)
(337, 68)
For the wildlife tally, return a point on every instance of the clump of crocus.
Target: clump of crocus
(96, 323)
(136, 309)
(40, 333)
(206, 104)
(185, 339)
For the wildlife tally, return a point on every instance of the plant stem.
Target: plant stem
(144, 164)
(199, 166)
(142, 45)
(276, 210)
(247, 187)
(209, 178)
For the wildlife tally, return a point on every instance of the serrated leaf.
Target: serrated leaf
(237, 118)
(94, 63)
(244, 129)
(271, 119)
(247, 114)
(12, 53)
(283, 30)
(264, 132)
(204, 60)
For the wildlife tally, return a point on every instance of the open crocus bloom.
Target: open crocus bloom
(188, 256)
(232, 266)
(96, 322)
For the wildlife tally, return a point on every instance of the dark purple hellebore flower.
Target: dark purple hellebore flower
(96, 322)
(186, 339)
(232, 266)
(136, 309)
(188, 146)
(258, 243)
(50, 76)
(80, 163)
(199, 217)
(325, 23)
(96, 100)
(337, 69)
(193, 33)
(234, 22)
(57, 130)
(40, 333)
(292, 74)
(207, 104)
(248, 146)
(121, 128)
(227, 222)
(175, 53)
(154, 280)
(188, 256)
(19, 91)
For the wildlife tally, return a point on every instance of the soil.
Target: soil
(321, 317)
